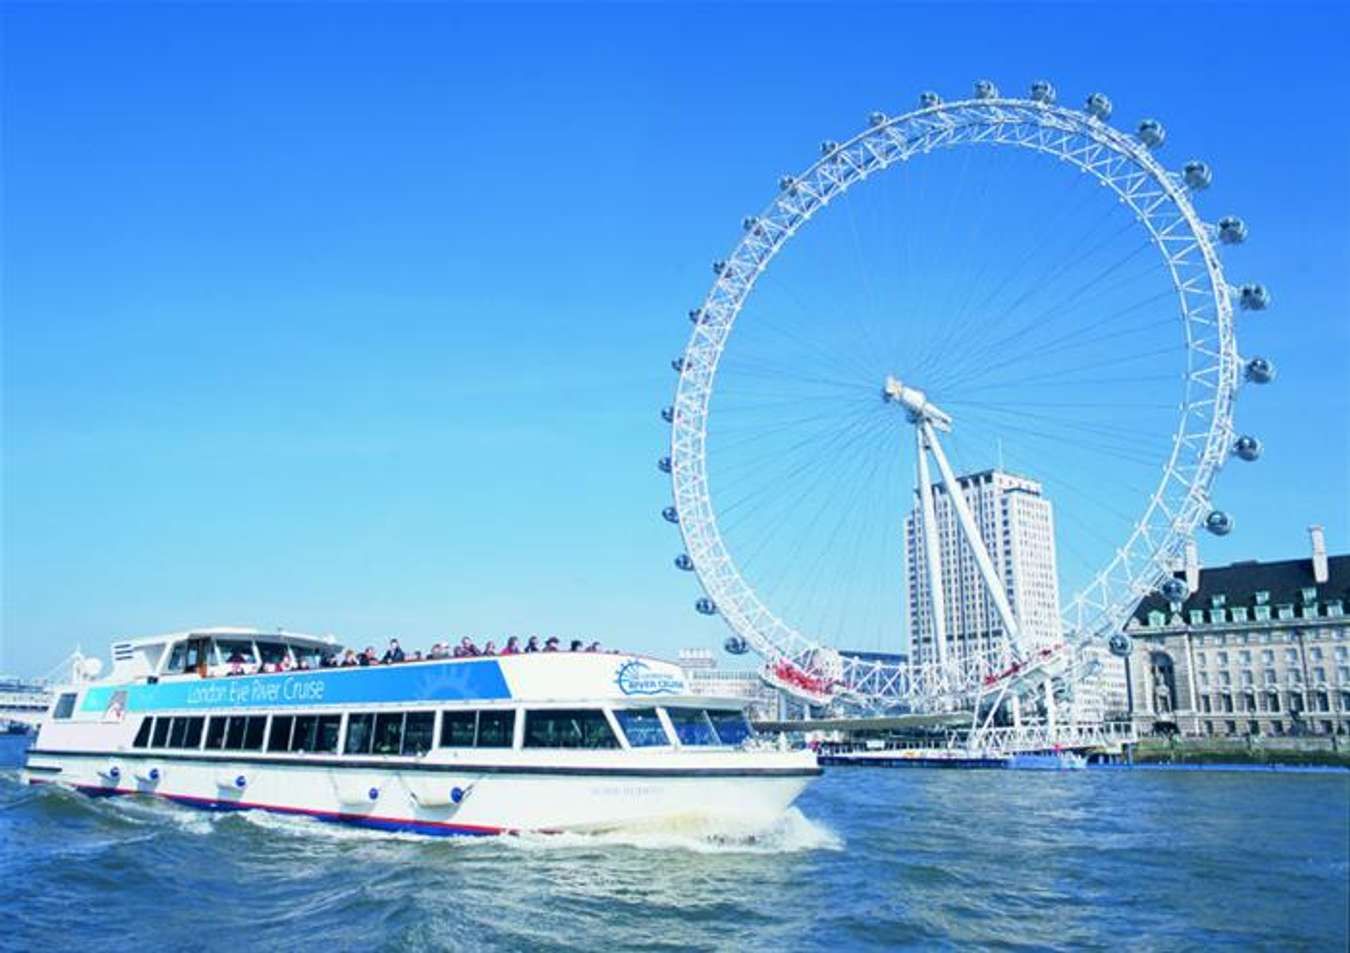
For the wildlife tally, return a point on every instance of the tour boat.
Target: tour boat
(549, 741)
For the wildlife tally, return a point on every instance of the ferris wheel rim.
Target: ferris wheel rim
(1161, 202)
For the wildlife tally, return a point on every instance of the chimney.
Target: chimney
(1192, 566)
(1319, 554)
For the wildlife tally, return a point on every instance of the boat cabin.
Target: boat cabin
(214, 652)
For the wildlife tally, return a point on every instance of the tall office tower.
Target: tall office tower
(1016, 523)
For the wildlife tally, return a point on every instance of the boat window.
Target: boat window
(568, 728)
(65, 706)
(388, 732)
(178, 732)
(418, 732)
(143, 733)
(641, 727)
(161, 735)
(280, 738)
(732, 727)
(326, 737)
(692, 726)
(458, 728)
(229, 648)
(497, 729)
(234, 735)
(311, 657)
(253, 733)
(176, 658)
(272, 652)
(306, 732)
(193, 737)
(215, 731)
(360, 733)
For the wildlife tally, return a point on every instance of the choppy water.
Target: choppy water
(873, 860)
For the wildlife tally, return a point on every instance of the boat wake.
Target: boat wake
(792, 832)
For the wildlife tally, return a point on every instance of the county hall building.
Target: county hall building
(1256, 648)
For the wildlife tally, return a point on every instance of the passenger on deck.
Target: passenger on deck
(551, 644)
(512, 646)
(286, 664)
(416, 656)
(438, 651)
(368, 656)
(236, 662)
(533, 644)
(349, 659)
(394, 653)
(575, 646)
(490, 648)
(594, 646)
(469, 648)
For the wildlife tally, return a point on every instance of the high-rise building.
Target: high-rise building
(1016, 523)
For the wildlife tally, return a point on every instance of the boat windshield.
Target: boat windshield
(732, 727)
(641, 727)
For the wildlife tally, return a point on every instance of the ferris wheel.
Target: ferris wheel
(1055, 309)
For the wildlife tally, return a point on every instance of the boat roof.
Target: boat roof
(232, 631)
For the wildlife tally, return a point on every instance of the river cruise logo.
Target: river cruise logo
(636, 677)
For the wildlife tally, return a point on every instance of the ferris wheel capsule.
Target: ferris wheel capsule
(876, 119)
(929, 99)
(1247, 447)
(750, 223)
(1253, 297)
(1099, 106)
(1260, 370)
(684, 563)
(1119, 644)
(663, 464)
(735, 645)
(677, 365)
(719, 267)
(1043, 92)
(1175, 590)
(668, 414)
(1232, 230)
(1152, 133)
(828, 146)
(1197, 174)
(1219, 523)
(705, 606)
(787, 183)
(696, 315)
(985, 89)
(670, 515)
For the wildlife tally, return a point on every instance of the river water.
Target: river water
(872, 859)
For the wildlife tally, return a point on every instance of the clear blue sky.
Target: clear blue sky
(356, 318)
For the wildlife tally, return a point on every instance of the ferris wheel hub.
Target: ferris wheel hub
(895, 391)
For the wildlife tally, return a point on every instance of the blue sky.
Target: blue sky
(358, 318)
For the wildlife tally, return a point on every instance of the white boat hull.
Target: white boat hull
(448, 799)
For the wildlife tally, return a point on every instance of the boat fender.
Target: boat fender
(112, 774)
(456, 795)
(236, 781)
(373, 793)
(149, 777)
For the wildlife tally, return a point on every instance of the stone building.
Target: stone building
(1256, 648)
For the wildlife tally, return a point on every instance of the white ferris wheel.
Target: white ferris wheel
(1056, 308)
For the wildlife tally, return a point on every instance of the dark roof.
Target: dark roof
(865, 655)
(1239, 583)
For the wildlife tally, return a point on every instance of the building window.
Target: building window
(1157, 619)
(1217, 616)
(1267, 657)
(1315, 653)
(1197, 617)
(1253, 727)
(1262, 613)
(1218, 600)
(1335, 608)
(1221, 659)
(1231, 727)
(1225, 679)
(1239, 613)
(1245, 657)
(1262, 597)
(1205, 705)
(1284, 611)
(1204, 679)
(1164, 682)
(1309, 594)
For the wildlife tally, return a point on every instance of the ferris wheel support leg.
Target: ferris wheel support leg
(927, 517)
(992, 582)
